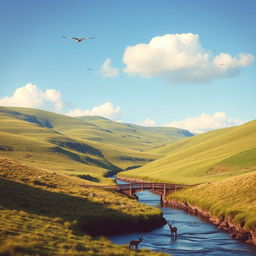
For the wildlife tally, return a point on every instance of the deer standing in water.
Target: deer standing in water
(135, 243)
(172, 229)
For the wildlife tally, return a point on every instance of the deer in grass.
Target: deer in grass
(135, 243)
(172, 229)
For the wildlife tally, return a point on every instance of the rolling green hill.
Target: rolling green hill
(134, 136)
(206, 157)
(90, 147)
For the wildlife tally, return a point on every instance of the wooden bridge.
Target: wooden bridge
(130, 189)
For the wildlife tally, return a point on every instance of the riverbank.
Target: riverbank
(224, 223)
(229, 204)
(195, 236)
(131, 180)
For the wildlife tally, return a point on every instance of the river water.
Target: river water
(195, 236)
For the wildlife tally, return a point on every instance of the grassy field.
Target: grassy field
(233, 197)
(45, 213)
(207, 157)
(91, 147)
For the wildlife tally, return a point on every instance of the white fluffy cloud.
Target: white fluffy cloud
(205, 122)
(106, 110)
(33, 97)
(180, 58)
(148, 122)
(107, 70)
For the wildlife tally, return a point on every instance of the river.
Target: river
(195, 236)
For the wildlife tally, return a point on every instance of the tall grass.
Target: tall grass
(45, 213)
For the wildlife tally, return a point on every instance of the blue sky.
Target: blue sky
(179, 63)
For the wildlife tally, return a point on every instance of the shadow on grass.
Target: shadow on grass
(89, 217)
(88, 177)
(103, 163)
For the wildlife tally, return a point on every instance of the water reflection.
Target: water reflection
(195, 236)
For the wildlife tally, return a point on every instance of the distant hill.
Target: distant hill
(90, 147)
(210, 156)
(134, 136)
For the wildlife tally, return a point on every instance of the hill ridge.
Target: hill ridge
(204, 157)
(96, 146)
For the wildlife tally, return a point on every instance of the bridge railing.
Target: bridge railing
(151, 185)
(143, 186)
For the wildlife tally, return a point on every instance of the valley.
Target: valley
(96, 146)
(45, 158)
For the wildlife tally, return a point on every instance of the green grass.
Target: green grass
(233, 197)
(45, 213)
(91, 146)
(211, 156)
(38, 152)
(135, 136)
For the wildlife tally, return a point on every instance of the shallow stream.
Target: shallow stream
(195, 236)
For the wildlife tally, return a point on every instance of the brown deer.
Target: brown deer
(172, 229)
(135, 243)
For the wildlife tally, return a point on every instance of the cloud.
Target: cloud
(180, 58)
(205, 122)
(148, 122)
(106, 110)
(32, 96)
(107, 70)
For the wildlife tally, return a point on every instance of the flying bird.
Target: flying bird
(78, 39)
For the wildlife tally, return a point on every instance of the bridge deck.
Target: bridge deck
(131, 188)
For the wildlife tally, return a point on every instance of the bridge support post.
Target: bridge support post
(161, 198)
(164, 192)
(131, 190)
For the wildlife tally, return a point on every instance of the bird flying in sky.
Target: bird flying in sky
(78, 39)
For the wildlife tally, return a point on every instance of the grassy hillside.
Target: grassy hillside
(91, 148)
(233, 197)
(34, 143)
(134, 136)
(210, 156)
(45, 213)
